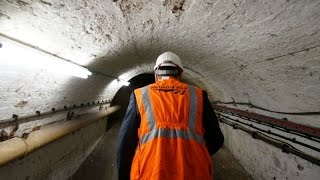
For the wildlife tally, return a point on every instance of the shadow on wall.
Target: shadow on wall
(122, 96)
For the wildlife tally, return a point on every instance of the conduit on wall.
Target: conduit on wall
(18, 147)
(249, 104)
(294, 140)
(16, 118)
(308, 131)
(286, 148)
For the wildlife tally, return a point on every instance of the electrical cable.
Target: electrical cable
(38, 49)
(309, 131)
(272, 133)
(285, 147)
(265, 109)
(16, 118)
(273, 126)
(57, 56)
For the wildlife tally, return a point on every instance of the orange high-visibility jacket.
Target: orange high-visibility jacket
(171, 144)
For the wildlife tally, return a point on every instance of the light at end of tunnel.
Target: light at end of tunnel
(19, 56)
(123, 83)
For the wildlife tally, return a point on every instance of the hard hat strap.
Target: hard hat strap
(167, 61)
(171, 72)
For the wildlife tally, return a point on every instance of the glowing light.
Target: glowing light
(123, 83)
(14, 54)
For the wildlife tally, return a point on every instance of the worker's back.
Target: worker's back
(171, 144)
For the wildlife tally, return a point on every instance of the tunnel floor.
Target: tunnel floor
(101, 163)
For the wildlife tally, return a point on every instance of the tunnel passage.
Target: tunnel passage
(258, 56)
(122, 96)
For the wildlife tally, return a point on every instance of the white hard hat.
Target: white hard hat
(168, 59)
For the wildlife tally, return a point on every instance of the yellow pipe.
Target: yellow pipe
(17, 147)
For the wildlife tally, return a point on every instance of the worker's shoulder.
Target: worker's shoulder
(157, 84)
(139, 88)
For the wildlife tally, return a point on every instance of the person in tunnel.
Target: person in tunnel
(170, 129)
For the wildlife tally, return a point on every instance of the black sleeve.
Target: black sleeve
(212, 133)
(128, 139)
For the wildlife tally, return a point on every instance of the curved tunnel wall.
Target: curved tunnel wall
(259, 51)
(262, 52)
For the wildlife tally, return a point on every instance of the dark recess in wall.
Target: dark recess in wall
(122, 96)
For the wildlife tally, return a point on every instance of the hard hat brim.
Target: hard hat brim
(165, 64)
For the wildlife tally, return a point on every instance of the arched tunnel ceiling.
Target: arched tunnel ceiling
(265, 52)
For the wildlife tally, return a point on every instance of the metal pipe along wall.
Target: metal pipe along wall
(17, 147)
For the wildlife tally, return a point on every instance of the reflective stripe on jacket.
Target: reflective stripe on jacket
(171, 144)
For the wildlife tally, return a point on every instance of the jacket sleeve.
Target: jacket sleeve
(128, 139)
(212, 133)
